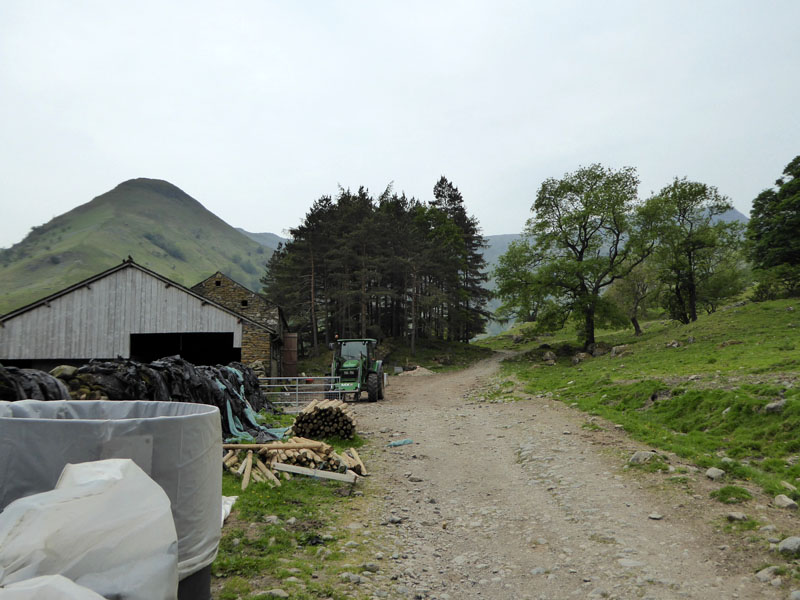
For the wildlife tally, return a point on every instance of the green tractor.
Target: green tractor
(355, 364)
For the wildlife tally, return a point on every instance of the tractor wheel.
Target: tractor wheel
(380, 385)
(373, 387)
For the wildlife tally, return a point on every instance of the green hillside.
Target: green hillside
(156, 223)
(270, 240)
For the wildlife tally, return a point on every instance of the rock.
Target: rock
(655, 516)
(350, 577)
(765, 575)
(790, 546)
(549, 355)
(517, 339)
(599, 349)
(783, 501)
(641, 457)
(371, 567)
(274, 593)
(795, 595)
(715, 474)
(616, 351)
(690, 340)
(736, 516)
(630, 563)
(727, 460)
(550, 363)
(538, 571)
(788, 486)
(729, 343)
(674, 344)
(580, 357)
(775, 407)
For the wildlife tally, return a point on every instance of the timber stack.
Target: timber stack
(324, 419)
(259, 462)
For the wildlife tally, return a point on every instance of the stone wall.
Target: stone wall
(256, 344)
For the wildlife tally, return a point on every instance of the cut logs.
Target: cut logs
(325, 418)
(258, 462)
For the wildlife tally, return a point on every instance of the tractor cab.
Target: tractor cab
(355, 364)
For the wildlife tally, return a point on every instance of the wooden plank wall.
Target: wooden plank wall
(96, 321)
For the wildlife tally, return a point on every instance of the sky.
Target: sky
(257, 108)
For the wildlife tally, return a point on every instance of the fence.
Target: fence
(292, 393)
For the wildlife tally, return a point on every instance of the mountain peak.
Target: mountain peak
(158, 186)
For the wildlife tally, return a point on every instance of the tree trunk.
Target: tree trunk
(414, 314)
(636, 329)
(589, 325)
(364, 293)
(692, 298)
(314, 341)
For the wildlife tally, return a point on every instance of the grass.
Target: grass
(274, 534)
(702, 400)
(731, 494)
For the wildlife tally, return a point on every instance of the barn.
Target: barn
(132, 312)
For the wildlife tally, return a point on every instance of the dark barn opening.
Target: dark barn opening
(197, 348)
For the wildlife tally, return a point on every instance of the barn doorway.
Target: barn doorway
(196, 348)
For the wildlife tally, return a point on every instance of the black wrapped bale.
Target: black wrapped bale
(30, 384)
(172, 379)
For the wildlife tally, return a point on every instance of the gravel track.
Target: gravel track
(518, 500)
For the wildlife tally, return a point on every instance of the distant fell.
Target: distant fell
(270, 240)
(158, 224)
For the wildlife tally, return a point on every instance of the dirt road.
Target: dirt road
(519, 500)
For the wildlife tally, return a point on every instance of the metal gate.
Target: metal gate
(291, 394)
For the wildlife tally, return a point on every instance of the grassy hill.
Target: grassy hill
(156, 223)
(699, 390)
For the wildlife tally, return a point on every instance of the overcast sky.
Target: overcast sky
(257, 108)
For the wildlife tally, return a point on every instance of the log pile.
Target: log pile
(259, 462)
(324, 419)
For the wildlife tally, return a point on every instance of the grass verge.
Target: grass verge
(289, 537)
(701, 390)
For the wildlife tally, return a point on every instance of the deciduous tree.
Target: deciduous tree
(591, 231)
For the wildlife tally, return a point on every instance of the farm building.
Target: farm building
(132, 312)
(234, 296)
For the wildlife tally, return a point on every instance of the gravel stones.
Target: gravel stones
(736, 516)
(715, 474)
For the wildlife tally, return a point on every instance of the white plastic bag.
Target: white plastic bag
(47, 587)
(227, 506)
(107, 526)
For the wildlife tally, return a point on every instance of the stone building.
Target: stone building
(256, 346)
